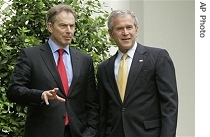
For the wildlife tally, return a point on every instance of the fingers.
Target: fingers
(60, 99)
(51, 95)
(55, 90)
(45, 98)
(57, 97)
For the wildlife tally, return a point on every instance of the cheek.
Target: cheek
(73, 31)
(116, 39)
(116, 36)
(57, 35)
(135, 33)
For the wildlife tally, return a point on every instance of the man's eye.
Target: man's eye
(130, 27)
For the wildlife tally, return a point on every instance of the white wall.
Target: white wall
(170, 24)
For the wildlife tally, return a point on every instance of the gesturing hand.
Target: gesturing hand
(51, 95)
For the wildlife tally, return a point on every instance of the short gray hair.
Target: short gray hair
(117, 13)
(54, 11)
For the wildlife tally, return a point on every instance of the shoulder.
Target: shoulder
(151, 50)
(35, 51)
(109, 62)
(79, 54)
(156, 54)
(29, 51)
(36, 48)
(103, 63)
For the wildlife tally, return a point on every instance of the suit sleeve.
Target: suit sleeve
(17, 89)
(167, 87)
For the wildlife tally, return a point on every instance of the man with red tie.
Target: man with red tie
(56, 82)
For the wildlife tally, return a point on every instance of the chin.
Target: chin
(127, 46)
(67, 42)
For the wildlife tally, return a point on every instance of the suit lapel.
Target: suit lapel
(136, 65)
(75, 67)
(111, 77)
(47, 57)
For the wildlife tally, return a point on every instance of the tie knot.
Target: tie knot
(61, 51)
(124, 57)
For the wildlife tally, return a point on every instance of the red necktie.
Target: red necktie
(63, 75)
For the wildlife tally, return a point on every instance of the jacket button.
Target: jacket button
(123, 109)
(63, 116)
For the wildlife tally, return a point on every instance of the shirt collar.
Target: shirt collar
(55, 47)
(130, 52)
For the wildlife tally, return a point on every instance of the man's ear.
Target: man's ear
(137, 31)
(49, 27)
(110, 34)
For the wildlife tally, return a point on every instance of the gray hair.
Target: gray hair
(54, 11)
(117, 13)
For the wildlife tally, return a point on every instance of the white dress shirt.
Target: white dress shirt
(130, 54)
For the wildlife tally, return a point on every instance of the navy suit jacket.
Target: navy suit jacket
(151, 101)
(36, 72)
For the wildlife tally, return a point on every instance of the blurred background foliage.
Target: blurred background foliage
(22, 24)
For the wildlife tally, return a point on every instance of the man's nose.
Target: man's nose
(125, 31)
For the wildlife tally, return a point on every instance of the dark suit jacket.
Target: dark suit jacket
(36, 72)
(151, 101)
